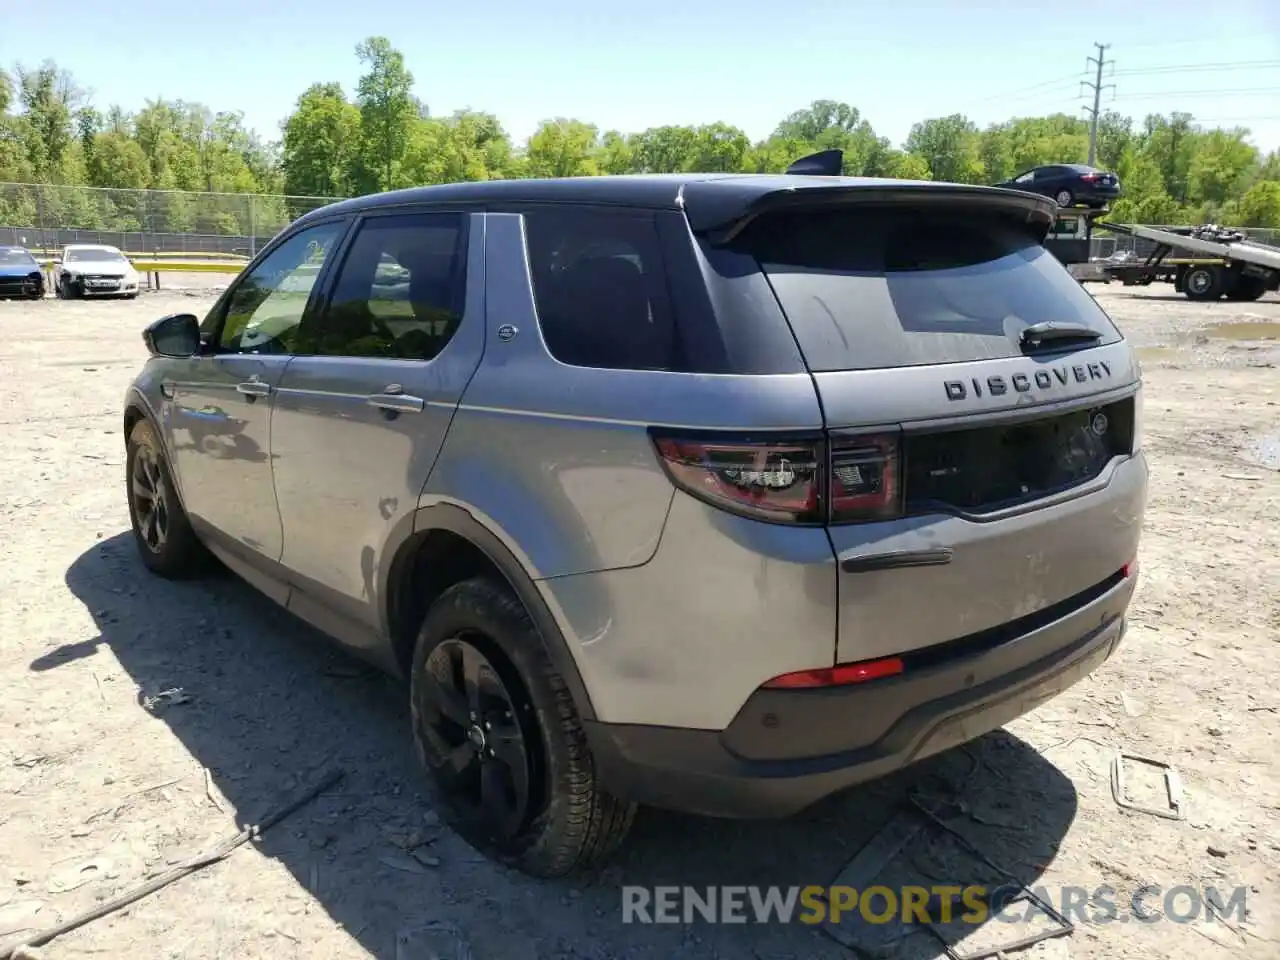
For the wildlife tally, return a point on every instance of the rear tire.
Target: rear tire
(481, 682)
(1063, 198)
(1203, 283)
(166, 543)
(1247, 288)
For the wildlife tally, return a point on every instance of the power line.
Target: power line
(1223, 67)
(1070, 80)
(1170, 94)
(1097, 87)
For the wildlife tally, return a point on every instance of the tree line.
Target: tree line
(384, 137)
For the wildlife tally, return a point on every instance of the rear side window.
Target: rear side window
(600, 288)
(867, 289)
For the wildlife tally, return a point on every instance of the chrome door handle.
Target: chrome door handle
(397, 402)
(253, 388)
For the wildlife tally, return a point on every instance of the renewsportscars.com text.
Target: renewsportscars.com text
(939, 904)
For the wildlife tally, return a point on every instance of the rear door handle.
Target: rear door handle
(397, 402)
(253, 388)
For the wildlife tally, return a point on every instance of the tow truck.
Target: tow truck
(1216, 262)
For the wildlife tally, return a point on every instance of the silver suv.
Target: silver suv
(718, 493)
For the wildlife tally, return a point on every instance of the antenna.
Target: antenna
(828, 163)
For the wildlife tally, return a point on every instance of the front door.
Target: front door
(362, 409)
(217, 419)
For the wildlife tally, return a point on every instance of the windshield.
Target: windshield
(94, 256)
(11, 256)
(901, 287)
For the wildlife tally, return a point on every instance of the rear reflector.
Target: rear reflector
(839, 676)
(1130, 569)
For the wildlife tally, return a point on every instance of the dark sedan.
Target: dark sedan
(20, 274)
(1070, 184)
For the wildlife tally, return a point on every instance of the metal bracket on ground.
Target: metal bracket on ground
(1176, 809)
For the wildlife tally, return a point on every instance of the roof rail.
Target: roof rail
(827, 163)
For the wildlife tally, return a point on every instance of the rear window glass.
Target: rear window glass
(600, 288)
(880, 288)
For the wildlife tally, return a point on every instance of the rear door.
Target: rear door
(362, 409)
(961, 438)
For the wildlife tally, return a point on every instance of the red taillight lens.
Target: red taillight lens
(865, 477)
(786, 480)
(1088, 177)
(1130, 568)
(777, 481)
(839, 676)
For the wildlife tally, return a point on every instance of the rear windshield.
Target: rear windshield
(868, 289)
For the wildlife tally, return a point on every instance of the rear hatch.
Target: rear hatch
(972, 391)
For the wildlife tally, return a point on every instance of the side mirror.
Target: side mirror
(177, 335)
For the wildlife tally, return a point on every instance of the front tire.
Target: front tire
(1203, 283)
(497, 730)
(167, 544)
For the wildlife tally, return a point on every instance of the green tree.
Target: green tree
(949, 145)
(321, 143)
(1260, 206)
(388, 109)
(562, 148)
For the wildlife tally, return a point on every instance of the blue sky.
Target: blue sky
(748, 62)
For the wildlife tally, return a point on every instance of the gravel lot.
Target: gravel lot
(98, 792)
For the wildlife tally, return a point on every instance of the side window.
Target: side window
(400, 290)
(1026, 177)
(264, 310)
(600, 288)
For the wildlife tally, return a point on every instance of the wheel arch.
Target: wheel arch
(447, 545)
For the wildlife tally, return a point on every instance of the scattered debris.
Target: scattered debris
(77, 876)
(402, 863)
(172, 697)
(209, 791)
(1132, 707)
(1215, 851)
(860, 873)
(114, 811)
(1172, 782)
(213, 855)
(29, 762)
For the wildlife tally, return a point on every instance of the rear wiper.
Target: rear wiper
(1053, 333)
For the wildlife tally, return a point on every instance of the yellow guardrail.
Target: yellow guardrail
(174, 266)
(155, 266)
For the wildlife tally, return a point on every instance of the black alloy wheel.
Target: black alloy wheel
(479, 736)
(149, 492)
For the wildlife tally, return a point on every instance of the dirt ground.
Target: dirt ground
(101, 788)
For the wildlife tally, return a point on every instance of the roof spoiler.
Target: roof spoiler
(826, 163)
(720, 217)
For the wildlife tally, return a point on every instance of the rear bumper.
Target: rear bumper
(787, 749)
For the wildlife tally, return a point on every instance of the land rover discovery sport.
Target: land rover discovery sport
(719, 493)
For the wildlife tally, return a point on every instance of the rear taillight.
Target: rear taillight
(865, 479)
(1088, 177)
(787, 480)
(777, 481)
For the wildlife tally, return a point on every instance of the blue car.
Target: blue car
(20, 274)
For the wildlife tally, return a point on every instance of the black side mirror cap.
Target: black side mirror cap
(177, 335)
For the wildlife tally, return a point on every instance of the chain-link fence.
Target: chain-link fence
(1105, 244)
(45, 217)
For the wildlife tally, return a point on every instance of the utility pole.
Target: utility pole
(1097, 87)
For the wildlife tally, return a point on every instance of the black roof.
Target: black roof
(710, 200)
